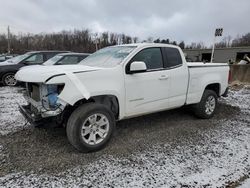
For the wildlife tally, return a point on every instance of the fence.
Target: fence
(240, 73)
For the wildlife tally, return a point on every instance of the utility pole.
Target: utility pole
(218, 33)
(8, 30)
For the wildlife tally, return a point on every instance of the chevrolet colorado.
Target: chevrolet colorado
(116, 83)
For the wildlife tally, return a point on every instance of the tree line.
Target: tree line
(228, 41)
(85, 41)
(77, 41)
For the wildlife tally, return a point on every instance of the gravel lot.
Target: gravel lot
(167, 149)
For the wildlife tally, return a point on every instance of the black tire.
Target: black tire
(200, 108)
(76, 123)
(4, 79)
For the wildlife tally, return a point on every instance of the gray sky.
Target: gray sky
(188, 20)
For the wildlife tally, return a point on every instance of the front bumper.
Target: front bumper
(31, 117)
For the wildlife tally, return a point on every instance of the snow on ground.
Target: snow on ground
(245, 184)
(222, 158)
(10, 118)
(240, 98)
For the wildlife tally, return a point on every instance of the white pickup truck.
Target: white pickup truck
(116, 83)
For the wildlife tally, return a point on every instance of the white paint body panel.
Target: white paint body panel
(137, 94)
(146, 93)
(201, 75)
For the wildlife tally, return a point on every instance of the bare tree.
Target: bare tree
(77, 40)
(241, 40)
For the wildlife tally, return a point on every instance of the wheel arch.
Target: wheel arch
(110, 101)
(216, 87)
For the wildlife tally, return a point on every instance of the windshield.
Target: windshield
(53, 60)
(108, 57)
(19, 58)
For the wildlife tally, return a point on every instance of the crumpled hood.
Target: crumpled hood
(40, 73)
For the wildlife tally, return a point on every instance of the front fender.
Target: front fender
(74, 89)
(85, 85)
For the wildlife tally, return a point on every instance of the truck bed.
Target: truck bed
(202, 74)
(201, 64)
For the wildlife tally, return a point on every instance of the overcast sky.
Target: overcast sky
(188, 20)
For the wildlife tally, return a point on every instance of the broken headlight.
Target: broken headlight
(51, 99)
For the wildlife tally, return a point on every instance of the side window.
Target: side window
(68, 60)
(35, 59)
(49, 55)
(152, 57)
(173, 57)
(2, 58)
(82, 57)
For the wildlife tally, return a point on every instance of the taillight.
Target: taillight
(229, 76)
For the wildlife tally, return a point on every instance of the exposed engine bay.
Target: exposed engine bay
(43, 99)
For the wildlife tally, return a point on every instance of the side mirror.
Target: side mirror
(137, 66)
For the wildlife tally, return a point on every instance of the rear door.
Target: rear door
(147, 91)
(178, 73)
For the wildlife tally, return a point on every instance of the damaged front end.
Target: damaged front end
(43, 102)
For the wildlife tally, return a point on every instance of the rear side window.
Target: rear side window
(50, 55)
(152, 57)
(67, 60)
(82, 57)
(173, 57)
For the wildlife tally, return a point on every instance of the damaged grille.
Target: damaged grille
(33, 91)
(43, 99)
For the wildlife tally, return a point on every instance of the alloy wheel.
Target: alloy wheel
(95, 129)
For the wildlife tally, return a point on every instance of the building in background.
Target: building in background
(233, 54)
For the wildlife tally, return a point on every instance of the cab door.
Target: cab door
(147, 91)
(178, 71)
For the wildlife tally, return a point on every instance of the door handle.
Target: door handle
(163, 77)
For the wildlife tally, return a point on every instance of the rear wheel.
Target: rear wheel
(9, 79)
(90, 127)
(207, 106)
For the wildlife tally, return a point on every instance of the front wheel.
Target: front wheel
(9, 79)
(90, 127)
(207, 106)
